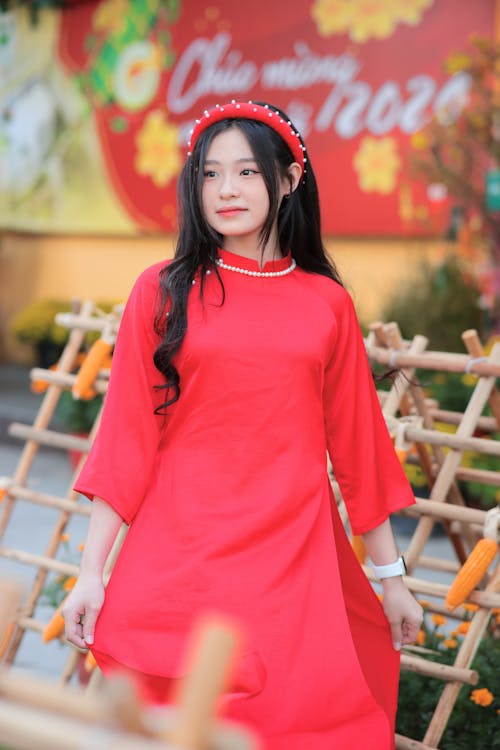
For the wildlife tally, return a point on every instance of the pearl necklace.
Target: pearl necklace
(263, 274)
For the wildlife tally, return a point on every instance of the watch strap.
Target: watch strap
(391, 570)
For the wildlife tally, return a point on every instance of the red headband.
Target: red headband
(250, 111)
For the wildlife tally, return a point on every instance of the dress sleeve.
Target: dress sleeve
(366, 467)
(121, 459)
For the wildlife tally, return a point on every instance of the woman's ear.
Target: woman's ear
(294, 175)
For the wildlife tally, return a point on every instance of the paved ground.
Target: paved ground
(30, 526)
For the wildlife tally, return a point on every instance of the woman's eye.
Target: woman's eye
(248, 171)
(209, 173)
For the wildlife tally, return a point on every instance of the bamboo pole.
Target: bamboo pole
(406, 743)
(434, 361)
(49, 501)
(451, 463)
(440, 671)
(49, 438)
(395, 341)
(402, 381)
(51, 549)
(464, 658)
(86, 323)
(436, 563)
(486, 599)
(66, 380)
(435, 437)
(43, 417)
(448, 511)
(213, 645)
(41, 561)
(474, 347)
(485, 424)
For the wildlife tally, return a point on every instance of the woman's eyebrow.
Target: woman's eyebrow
(243, 159)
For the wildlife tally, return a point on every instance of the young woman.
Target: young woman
(237, 367)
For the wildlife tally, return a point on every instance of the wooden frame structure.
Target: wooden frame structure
(413, 419)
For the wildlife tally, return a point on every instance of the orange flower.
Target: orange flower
(463, 628)
(482, 697)
(424, 604)
(450, 643)
(438, 620)
(81, 547)
(470, 607)
(3, 492)
(64, 537)
(69, 583)
(420, 638)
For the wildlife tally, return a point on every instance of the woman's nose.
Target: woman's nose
(228, 187)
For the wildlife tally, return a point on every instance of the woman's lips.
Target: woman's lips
(230, 211)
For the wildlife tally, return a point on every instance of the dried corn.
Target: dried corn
(471, 572)
(88, 372)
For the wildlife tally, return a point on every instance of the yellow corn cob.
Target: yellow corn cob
(89, 370)
(471, 572)
(359, 548)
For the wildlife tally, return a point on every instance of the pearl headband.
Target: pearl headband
(250, 111)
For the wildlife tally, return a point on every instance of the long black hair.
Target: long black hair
(299, 230)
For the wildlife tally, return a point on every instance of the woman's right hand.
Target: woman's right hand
(81, 610)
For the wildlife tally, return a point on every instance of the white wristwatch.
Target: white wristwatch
(397, 568)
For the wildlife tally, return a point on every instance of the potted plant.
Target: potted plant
(35, 325)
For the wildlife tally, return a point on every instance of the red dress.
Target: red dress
(230, 506)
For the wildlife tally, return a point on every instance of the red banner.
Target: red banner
(357, 78)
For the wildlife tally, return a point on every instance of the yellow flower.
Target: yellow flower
(377, 163)
(457, 62)
(482, 697)
(110, 15)
(469, 379)
(411, 10)
(420, 140)
(365, 19)
(469, 607)
(157, 149)
(463, 628)
(332, 16)
(420, 638)
(450, 643)
(438, 620)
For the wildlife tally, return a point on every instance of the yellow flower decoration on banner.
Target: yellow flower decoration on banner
(365, 19)
(332, 16)
(377, 164)
(482, 697)
(110, 15)
(410, 11)
(158, 149)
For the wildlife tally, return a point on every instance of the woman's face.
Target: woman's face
(234, 195)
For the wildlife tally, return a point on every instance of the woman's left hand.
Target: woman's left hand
(404, 613)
